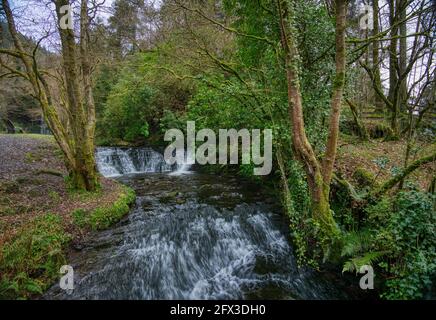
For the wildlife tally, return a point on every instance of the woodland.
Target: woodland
(348, 89)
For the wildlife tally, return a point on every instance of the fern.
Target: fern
(368, 258)
(356, 243)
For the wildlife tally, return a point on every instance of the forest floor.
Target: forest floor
(355, 155)
(32, 183)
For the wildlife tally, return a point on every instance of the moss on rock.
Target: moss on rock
(363, 177)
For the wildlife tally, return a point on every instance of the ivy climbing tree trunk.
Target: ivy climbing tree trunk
(318, 173)
(75, 137)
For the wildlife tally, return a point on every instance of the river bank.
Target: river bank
(40, 217)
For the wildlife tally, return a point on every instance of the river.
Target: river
(191, 236)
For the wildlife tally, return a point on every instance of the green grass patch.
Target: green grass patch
(31, 136)
(103, 217)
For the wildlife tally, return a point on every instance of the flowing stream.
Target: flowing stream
(190, 236)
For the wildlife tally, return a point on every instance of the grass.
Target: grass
(103, 217)
(30, 135)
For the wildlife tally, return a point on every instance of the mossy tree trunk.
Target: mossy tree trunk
(80, 99)
(393, 65)
(75, 136)
(361, 129)
(385, 187)
(319, 174)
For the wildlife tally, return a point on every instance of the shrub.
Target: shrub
(363, 177)
(399, 239)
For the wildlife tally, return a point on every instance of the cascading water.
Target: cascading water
(114, 162)
(190, 237)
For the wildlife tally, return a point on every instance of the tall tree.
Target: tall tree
(405, 57)
(319, 174)
(402, 8)
(76, 135)
(123, 25)
(393, 63)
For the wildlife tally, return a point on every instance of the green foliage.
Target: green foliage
(79, 217)
(413, 229)
(126, 106)
(356, 242)
(368, 258)
(172, 120)
(359, 246)
(251, 92)
(297, 206)
(105, 80)
(399, 240)
(32, 260)
(103, 217)
(364, 177)
(131, 107)
(379, 213)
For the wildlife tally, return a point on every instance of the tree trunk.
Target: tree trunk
(81, 104)
(376, 58)
(75, 139)
(10, 128)
(393, 65)
(403, 56)
(318, 175)
(398, 178)
(361, 130)
(338, 88)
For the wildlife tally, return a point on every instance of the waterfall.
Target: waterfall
(113, 162)
(183, 168)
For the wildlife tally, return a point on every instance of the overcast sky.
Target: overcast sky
(36, 19)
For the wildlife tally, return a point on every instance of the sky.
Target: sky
(36, 19)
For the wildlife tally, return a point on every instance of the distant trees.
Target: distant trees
(403, 46)
(123, 27)
(127, 109)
